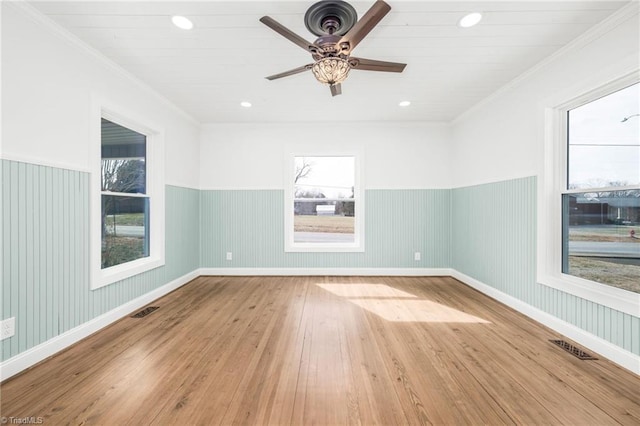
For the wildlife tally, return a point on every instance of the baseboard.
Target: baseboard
(607, 349)
(32, 356)
(367, 272)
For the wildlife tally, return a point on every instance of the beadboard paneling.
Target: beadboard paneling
(182, 231)
(494, 235)
(250, 224)
(485, 231)
(494, 241)
(45, 253)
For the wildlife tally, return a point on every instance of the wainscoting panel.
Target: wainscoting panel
(494, 241)
(494, 235)
(45, 253)
(182, 239)
(487, 232)
(250, 224)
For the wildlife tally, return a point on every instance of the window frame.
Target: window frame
(554, 185)
(289, 197)
(155, 189)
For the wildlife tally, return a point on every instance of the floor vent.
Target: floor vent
(146, 311)
(575, 351)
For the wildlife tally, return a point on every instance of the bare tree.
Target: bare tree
(123, 175)
(613, 193)
(119, 176)
(302, 171)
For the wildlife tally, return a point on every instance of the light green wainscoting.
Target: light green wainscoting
(493, 228)
(487, 232)
(45, 252)
(250, 224)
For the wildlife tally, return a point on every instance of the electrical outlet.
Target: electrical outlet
(7, 328)
(229, 255)
(416, 255)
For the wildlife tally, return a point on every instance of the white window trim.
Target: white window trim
(289, 244)
(551, 188)
(155, 191)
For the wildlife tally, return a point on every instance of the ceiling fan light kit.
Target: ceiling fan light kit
(339, 32)
(331, 70)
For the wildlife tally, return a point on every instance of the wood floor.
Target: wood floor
(324, 350)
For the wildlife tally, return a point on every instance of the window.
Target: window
(125, 202)
(601, 198)
(588, 191)
(127, 198)
(323, 204)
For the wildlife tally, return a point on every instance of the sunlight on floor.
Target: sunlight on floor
(365, 290)
(134, 371)
(399, 306)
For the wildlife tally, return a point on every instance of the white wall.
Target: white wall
(397, 155)
(48, 82)
(503, 137)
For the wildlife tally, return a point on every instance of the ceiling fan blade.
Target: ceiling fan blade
(368, 21)
(336, 89)
(290, 72)
(373, 65)
(290, 35)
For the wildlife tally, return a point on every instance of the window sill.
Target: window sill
(602, 294)
(323, 248)
(126, 270)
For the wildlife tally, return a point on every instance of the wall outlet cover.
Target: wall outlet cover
(229, 255)
(7, 328)
(416, 255)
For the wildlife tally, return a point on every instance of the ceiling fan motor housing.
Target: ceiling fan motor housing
(330, 17)
(329, 45)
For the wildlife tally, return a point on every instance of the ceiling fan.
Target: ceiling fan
(339, 30)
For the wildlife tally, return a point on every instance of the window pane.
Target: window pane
(123, 159)
(602, 237)
(324, 177)
(604, 141)
(328, 222)
(125, 224)
(126, 176)
(324, 206)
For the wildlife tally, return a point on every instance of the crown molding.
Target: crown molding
(598, 30)
(64, 34)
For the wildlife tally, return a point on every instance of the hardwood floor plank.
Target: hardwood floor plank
(323, 350)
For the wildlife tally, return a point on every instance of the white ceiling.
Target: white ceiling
(209, 70)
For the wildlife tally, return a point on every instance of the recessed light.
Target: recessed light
(470, 20)
(245, 104)
(404, 103)
(182, 22)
